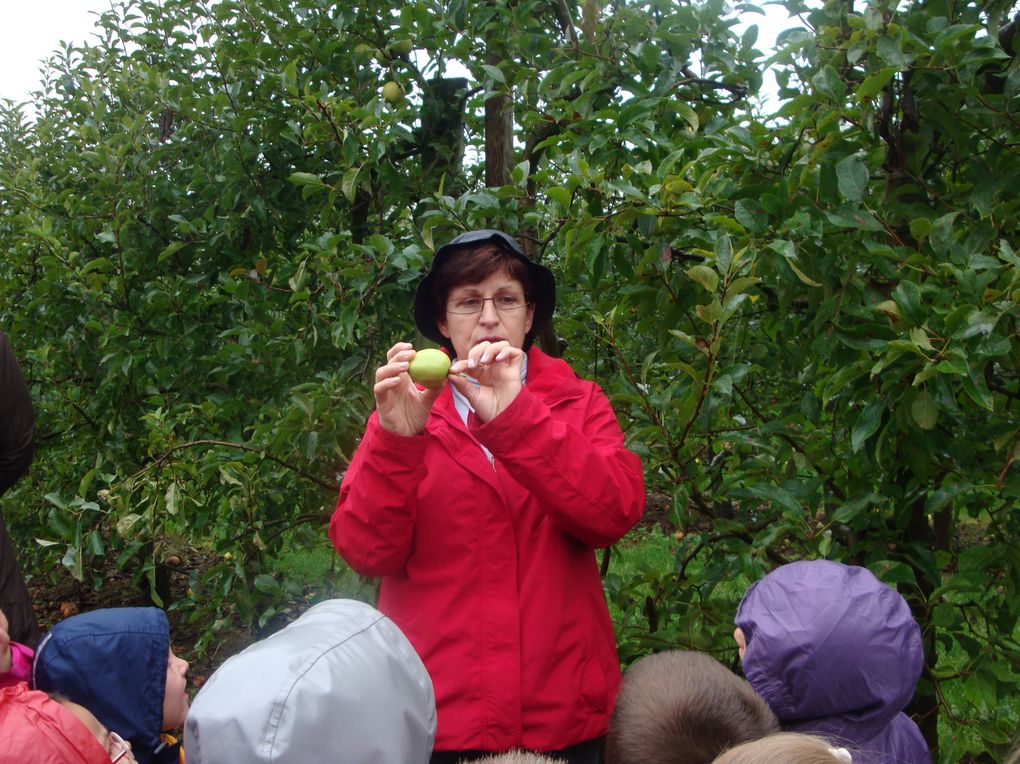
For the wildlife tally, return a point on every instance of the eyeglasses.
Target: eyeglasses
(466, 306)
(119, 747)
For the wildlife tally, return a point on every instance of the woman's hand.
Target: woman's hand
(497, 368)
(403, 408)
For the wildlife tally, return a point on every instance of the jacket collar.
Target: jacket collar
(550, 378)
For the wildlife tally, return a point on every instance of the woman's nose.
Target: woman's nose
(489, 313)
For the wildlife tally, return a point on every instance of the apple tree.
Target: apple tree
(214, 219)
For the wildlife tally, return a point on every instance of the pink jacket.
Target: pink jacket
(39, 730)
(489, 569)
(21, 668)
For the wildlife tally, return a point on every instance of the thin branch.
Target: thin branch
(242, 447)
(835, 489)
(566, 22)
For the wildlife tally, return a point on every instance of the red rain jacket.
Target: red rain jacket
(39, 730)
(489, 569)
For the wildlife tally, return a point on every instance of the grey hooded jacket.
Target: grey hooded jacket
(340, 684)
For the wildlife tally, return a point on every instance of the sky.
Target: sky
(34, 28)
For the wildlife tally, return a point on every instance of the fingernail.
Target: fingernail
(472, 363)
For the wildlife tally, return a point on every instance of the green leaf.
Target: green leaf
(266, 584)
(306, 179)
(940, 498)
(854, 217)
(920, 338)
(705, 276)
(867, 424)
(709, 313)
(908, 297)
(852, 508)
(494, 73)
(290, 77)
(170, 248)
(841, 379)
(779, 496)
(749, 213)
(890, 50)
(349, 182)
(96, 545)
(298, 281)
(852, 176)
(920, 228)
(979, 322)
(56, 500)
(800, 274)
(975, 388)
(560, 195)
(924, 411)
(828, 82)
(689, 370)
(690, 115)
(875, 83)
(723, 253)
(171, 498)
(74, 563)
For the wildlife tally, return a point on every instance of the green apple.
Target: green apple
(400, 47)
(429, 368)
(392, 92)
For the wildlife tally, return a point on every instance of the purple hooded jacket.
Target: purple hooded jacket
(836, 652)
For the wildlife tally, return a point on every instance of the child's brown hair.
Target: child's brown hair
(684, 708)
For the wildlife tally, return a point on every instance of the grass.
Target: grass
(308, 562)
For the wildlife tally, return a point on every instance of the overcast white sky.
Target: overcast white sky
(32, 29)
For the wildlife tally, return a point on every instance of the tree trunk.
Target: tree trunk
(441, 137)
(924, 708)
(499, 134)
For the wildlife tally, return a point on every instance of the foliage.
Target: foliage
(807, 324)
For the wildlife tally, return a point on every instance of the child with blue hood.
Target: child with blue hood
(835, 652)
(117, 662)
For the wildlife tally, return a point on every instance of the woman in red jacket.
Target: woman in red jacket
(480, 504)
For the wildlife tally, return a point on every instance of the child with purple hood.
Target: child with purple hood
(835, 652)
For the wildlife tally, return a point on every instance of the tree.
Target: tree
(807, 323)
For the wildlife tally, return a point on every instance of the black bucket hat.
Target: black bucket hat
(544, 297)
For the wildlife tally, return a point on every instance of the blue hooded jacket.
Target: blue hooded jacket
(114, 662)
(836, 652)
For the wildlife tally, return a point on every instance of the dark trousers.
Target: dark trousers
(15, 600)
(588, 752)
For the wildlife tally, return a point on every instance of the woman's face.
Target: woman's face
(466, 330)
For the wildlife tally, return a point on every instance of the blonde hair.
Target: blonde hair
(683, 707)
(518, 757)
(785, 748)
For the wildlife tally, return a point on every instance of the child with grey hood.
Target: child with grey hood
(340, 684)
